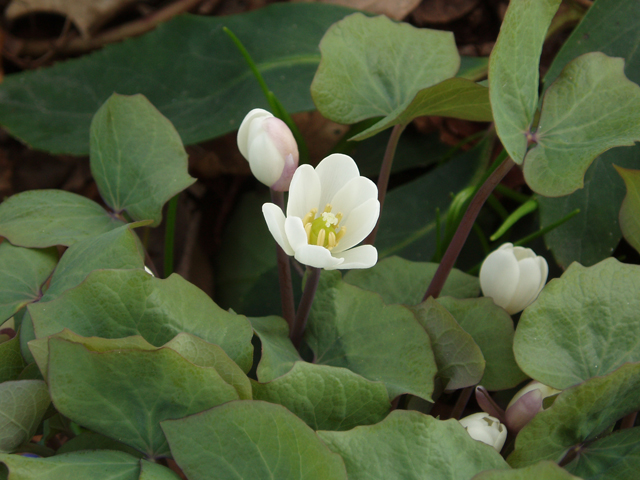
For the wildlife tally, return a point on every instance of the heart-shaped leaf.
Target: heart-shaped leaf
(630, 209)
(22, 406)
(546, 470)
(23, 271)
(11, 362)
(247, 440)
(352, 328)
(43, 218)
(374, 67)
(278, 353)
(327, 398)
(513, 85)
(584, 324)
(412, 446)
(137, 157)
(578, 415)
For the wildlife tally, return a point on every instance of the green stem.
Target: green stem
(466, 224)
(547, 229)
(522, 211)
(304, 307)
(284, 272)
(169, 236)
(512, 194)
(385, 173)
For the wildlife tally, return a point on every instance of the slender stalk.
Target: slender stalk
(461, 403)
(466, 224)
(284, 272)
(628, 421)
(169, 236)
(385, 173)
(547, 229)
(305, 306)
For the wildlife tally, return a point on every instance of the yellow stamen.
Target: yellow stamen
(308, 218)
(332, 240)
(321, 237)
(340, 233)
(339, 217)
(307, 228)
(328, 208)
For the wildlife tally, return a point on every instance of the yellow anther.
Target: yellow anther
(307, 228)
(321, 237)
(328, 207)
(308, 218)
(340, 233)
(332, 240)
(339, 217)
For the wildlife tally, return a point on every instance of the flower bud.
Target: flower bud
(513, 277)
(486, 429)
(269, 147)
(526, 404)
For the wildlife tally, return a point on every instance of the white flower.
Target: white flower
(269, 147)
(526, 404)
(513, 277)
(148, 270)
(486, 429)
(330, 210)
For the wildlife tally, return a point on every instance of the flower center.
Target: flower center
(323, 231)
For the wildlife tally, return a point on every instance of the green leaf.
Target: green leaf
(124, 393)
(123, 303)
(137, 157)
(349, 327)
(23, 271)
(594, 235)
(454, 97)
(11, 362)
(155, 471)
(98, 465)
(327, 398)
(409, 445)
(43, 218)
(630, 209)
(578, 415)
(492, 330)
(615, 456)
(22, 406)
(398, 280)
(250, 440)
(373, 67)
(278, 353)
(513, 85)
(459, 359)
(210, 95)
(94, 441)
(582, 325)
(545, 470)
(590, 108)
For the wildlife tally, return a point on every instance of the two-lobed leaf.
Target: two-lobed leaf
(630, 208)
(278, 353)
(23, 403)
(11, 362)
(545, 469)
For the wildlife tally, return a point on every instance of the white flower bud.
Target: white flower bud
(486, 429)
(526, 404)
(513, 277)
(269, 147)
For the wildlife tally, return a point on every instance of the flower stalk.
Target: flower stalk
(466, 224)
(284, 272)
(169, 234)
(304, 307)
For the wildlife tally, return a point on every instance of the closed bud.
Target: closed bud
(513, 277)
(269, 147)
(486, 429)
(526, 404)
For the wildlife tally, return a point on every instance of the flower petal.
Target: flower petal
(245, 127)
(527, 289)
(335, 172)
(295, 232)
(275, 223)
(364, 256)
(318, 257)
(265, 160)
(544, 273)
(304, 192)
(356, 192)
(499, 276)
(361, 221)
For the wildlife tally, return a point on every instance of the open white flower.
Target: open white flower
(330, 210)
(486, 429)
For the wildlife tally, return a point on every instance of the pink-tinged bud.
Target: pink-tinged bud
(486, 429)
(269, 147)
(526, 404)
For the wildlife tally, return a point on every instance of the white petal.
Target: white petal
(275, 222)
(521, 253)
(295, 232)
(364, 256)
(544, 273)
(499, 276)
(356, 192)
(360, 223)
(335, 172)
(243, 131)
(265, 160)
(527, 289)
(304, 192)
(316, 256)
